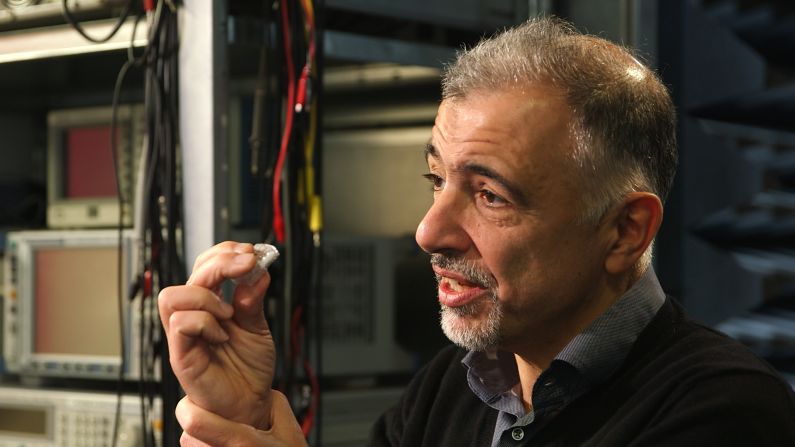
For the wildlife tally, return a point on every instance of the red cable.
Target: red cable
(147, 285)
(278, 218)
(300, 102)
(306, 426)
(295, 328)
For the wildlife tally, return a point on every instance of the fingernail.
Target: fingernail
(243, 258)
(242, 248)
(223, 336)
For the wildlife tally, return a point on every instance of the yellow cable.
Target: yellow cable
(313, 200)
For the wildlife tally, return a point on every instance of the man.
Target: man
(549, 160)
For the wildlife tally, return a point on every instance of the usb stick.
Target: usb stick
(266, 254)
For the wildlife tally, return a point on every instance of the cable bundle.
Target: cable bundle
(158, 201)
(285, 155)
(160, 258)
(158, 216)
(286, 105)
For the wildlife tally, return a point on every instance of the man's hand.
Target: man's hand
(203, 428)
(223, 355)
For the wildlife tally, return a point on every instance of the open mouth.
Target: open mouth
(456, 291)
(459, 285)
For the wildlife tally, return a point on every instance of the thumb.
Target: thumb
(204, 427)
(248, 302)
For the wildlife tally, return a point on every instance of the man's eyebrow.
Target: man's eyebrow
(430, 151)
(478, 169)
(518, 195)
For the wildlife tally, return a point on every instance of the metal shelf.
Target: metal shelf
(766, 222)
(770, 332)
(475, 15)
(63, 40)
(352, 47)
(767, 26)
(773, 109)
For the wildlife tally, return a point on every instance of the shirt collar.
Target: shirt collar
(601, 348)
(595, 353)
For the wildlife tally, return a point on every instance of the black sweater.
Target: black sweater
(681, 385)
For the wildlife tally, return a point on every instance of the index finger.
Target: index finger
(222, 265)
(177, 298)
(226, 246)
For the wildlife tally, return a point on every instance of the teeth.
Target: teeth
(454, 285)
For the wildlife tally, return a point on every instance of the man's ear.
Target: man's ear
(634, 225)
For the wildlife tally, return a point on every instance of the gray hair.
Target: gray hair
(624, 122)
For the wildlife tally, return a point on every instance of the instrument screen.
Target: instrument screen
(27, 421)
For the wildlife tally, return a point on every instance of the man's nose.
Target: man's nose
(443, 227)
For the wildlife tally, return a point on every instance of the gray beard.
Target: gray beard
(484, 336)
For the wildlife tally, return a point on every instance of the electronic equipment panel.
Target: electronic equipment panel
(61, 306)
(359, 306)
(81, 178)
(47, 418)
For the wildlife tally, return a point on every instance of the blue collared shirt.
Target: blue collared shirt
(589, 359)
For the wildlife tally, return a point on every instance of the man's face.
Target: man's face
(514, 267)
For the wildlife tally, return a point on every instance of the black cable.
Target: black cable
(141, 363)
(274, 103)
(148, 264)
(141, 268)
(162, 210)
(67, 13)
(152, 113)
(299, 374)
(147, 267)
(317, 277)
(131, 61)
(120, 255)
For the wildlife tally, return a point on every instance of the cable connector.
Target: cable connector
(147, 283)
(304, 90)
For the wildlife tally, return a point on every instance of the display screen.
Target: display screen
(89, 163)
(23, 421)
(76, 307)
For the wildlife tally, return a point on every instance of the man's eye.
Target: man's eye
(492, 199)
(437, 183)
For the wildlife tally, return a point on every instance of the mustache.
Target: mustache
(468, 269)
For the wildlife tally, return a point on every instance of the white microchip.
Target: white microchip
(265, 254)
